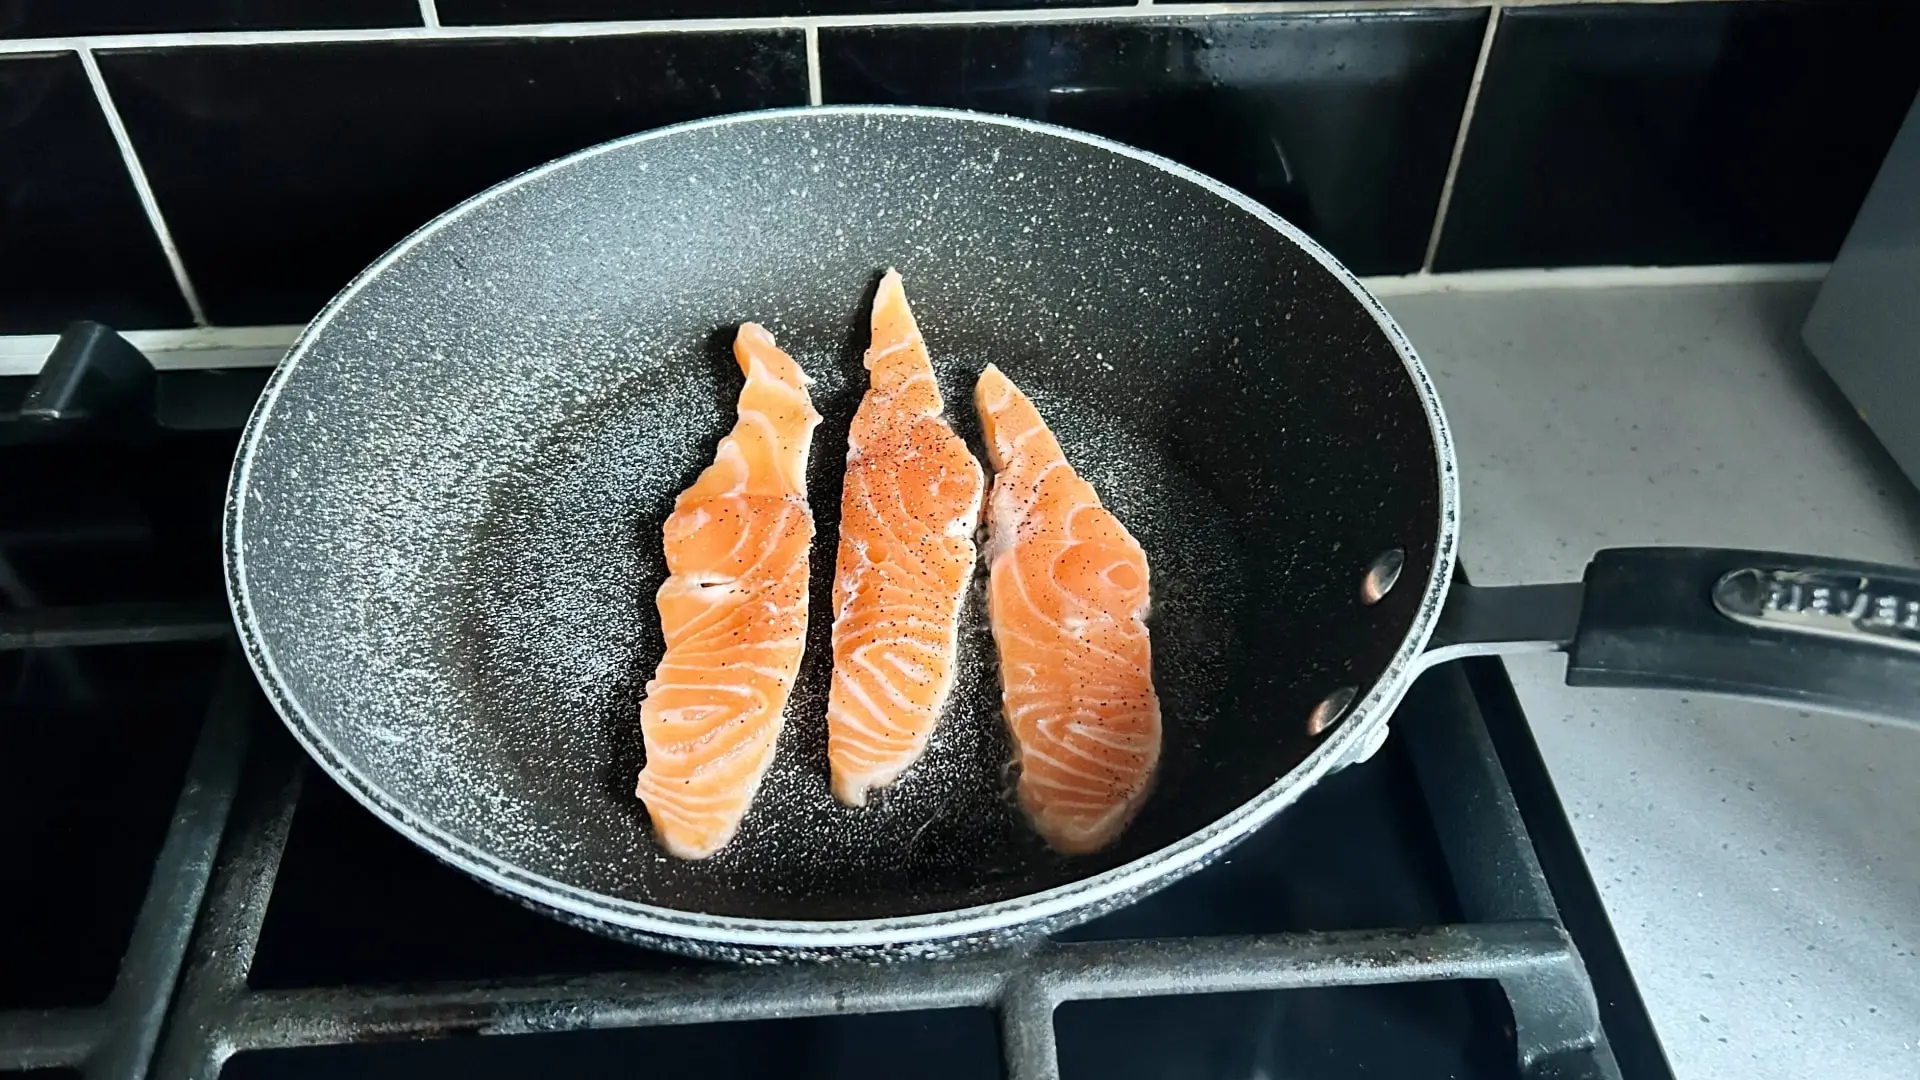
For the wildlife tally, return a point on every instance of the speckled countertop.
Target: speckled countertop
(1761, 865)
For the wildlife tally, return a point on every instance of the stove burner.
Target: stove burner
(1398, 921)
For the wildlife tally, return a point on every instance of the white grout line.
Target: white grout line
(1131, 11)
(141, 188)
(1460, 139)
(429, 14)
(813, 65)
(262, 346)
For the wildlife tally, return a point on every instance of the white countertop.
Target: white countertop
(1761, 865)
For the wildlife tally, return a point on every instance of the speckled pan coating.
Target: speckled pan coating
(443, 530)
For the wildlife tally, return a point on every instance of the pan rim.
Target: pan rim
(1353, 739)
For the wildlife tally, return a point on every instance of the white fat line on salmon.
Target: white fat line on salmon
(1064, 703)
(1098, 734)
(895, 645)
(1032, 607)
(1072, 792)
(1099, 778)
(759, 423)
(889, 645)
(1022, 510)
(859, 704)
(901, 610)
(723, 747)
(705, 592)
(717, 706)
(730, 741)
(888, 689)
(695, 629)
(1006, 632)
(687, 761)
(759, 375)
(680, 791)
(731, 455)
(689, 716)
(937, 406)
(1126, 629)
(672, 753)
(901, 614)
(905, 555)
(778, 675)
(909, 670)
(692, 809)
(1081, 799)
(701, 711)
(1026, 435)
(707, 626)
(870, 627)
(897, 554)
(879, 749)
(730, 647)
(1075, 703)
(1103, 770)
(763, 381)
(716, 633)
(740, 722)
(1086, 625)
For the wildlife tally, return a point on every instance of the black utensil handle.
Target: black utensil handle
(1795, 629)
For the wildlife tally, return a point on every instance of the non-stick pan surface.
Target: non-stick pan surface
(444, 529)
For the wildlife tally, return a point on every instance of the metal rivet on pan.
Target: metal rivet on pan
(1382, 574)
(1330, 710)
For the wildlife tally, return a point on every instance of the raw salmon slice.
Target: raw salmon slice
(734, 610)
(907, 517)
(1067, 599)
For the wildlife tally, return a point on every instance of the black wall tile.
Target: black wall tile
(1343, 125)
(1696, 133)
(285, 170)
(74, 243)
(53, 18)
(457, 12)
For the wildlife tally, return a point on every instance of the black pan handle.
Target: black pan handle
(1793, 629)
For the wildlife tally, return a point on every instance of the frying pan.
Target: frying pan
(442, 534)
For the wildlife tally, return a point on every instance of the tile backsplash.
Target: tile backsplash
(1343, 124)
(1679, 133)
(497, 12)
(237, 161)
(59, 18)
(283, 170)
(74, 242)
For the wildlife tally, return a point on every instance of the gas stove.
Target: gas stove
(185, 898)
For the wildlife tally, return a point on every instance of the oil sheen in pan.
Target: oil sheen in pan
(571, 557)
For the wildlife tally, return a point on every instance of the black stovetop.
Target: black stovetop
(179, 888)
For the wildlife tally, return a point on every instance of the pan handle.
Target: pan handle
(1793, 629)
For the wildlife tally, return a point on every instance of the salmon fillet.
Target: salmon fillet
(734, 611)
(907, 517)
(1067, 599)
